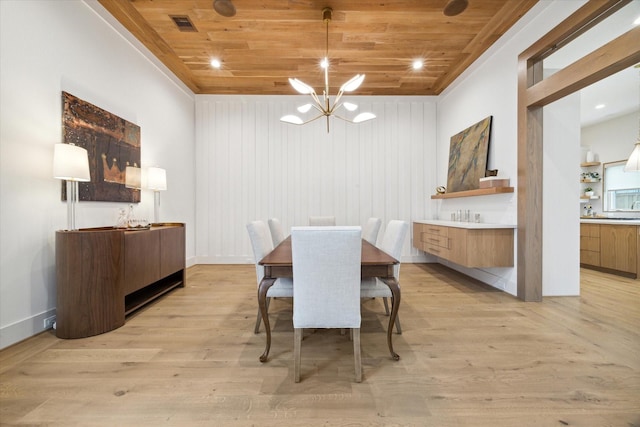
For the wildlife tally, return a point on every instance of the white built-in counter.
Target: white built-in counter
(596, 220)
(460, 224)
(470, 244)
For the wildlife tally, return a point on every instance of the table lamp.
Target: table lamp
(156, 181)
(71, 163)
(133, 177)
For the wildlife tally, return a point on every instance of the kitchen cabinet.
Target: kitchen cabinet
(590, 244)
(611, 248)
(618, 247)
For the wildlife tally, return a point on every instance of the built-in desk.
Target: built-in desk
(468, 244)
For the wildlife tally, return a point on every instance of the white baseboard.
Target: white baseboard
(24, 329)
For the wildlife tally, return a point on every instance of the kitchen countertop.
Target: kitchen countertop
(596, 220)
(468, 225)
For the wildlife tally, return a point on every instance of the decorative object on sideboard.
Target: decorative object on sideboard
(112, 144)
(156, 181)
(325, 107)
(71, 163)
(468, 153)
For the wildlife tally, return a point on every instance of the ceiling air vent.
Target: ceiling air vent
(183, 23)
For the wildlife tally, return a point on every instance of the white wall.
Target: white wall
(47, 47)
(489, 87)
(610, 141)
(561, 197)
(251, 166)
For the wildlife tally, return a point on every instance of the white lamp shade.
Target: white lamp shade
(133, 177)
(301, 87)
(71, 162)
(350, 106)
(633, 164)
(353, 84)
(363, 117)
(156, 179)
(304, 108)
(290, 118)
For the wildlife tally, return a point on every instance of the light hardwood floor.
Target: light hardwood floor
(470, 356)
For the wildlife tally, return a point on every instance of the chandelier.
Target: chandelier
(324, 106)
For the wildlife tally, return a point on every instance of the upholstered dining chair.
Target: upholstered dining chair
(262, 244)
(392, 242)
(371, 229)
(322, 220)
(326, 267)
(277, 232)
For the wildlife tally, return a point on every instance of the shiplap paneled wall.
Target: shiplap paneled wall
(251, 166)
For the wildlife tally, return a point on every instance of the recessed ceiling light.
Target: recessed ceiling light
(418, 64)
(600, 106)
(215, 63)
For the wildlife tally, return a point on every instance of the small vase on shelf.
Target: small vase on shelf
(590, 156)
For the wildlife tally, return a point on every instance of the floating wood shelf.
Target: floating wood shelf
(471, 193)
(589, 164)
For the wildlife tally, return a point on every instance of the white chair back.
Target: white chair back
(326, 269)
(277, 232)
(261, 243)
(393, 241)
(322, 221)
(371, 229)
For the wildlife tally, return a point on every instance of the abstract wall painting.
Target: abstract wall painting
(112, 143)
(468, 152)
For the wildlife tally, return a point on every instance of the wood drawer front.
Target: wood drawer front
(590, 230)
(436, 230)
(435, 240)
(590, 244)
(438, 251)
(590, 258)
(418, 229)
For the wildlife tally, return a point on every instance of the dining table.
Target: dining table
(374, 263)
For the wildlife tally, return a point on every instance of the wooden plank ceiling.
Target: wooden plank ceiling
(268, 41)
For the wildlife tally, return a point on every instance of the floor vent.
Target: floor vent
(183, 23)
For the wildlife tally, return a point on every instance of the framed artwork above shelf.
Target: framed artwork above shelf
(476, 192)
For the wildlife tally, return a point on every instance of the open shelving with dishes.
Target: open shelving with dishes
(589, 176)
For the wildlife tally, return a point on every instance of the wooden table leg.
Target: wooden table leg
(393, 285)
(264, 286)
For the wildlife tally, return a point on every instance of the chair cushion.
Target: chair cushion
(372, 288)
(282, 288)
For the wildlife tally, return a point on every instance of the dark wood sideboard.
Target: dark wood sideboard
(103, 274)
